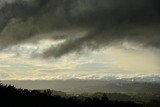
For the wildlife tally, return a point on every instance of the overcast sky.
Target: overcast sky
(84, 39)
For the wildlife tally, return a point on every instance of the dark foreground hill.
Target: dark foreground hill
(13, 97)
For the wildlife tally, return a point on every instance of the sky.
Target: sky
(79, 39)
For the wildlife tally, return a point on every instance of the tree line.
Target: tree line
(11, 96)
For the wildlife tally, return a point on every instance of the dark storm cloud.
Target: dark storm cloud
(105, 21)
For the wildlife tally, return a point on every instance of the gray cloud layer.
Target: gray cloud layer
(105, 21)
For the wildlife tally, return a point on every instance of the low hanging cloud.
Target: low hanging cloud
(104, 21)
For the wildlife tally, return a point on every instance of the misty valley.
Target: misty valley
(84, 92)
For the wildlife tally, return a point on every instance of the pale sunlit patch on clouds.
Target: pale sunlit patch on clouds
(135, 59)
